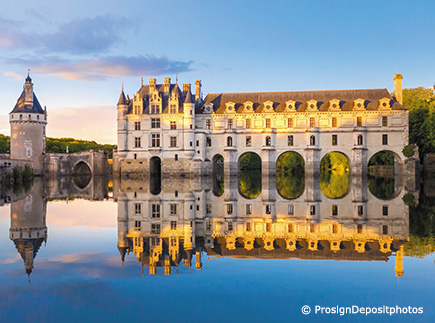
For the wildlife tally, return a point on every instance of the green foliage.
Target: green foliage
(218, 185)
(419, 247)
(290, 186)
(290, 163)
(408, 150)
(334, 161)
(58, 145)
(421, 105)
(250, 161)
(22, 175)
(334, 184)
(409, 199)
(5, 144)
(382, 158)
(381, 187)
(250, 183)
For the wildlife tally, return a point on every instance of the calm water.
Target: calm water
(225, 249)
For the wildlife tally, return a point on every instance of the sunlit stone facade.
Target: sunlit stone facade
(164, 125)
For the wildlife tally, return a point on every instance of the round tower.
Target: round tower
(28, 121)
(122, 107)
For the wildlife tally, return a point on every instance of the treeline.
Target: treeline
(58, 145)
(421, 105)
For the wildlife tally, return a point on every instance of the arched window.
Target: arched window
(229, 141)
(268, 141)
(312, 140)
(360, 140)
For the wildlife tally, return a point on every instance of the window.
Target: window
(155, 109)
(137, 109)
(229, 209)
(155, 228)
(229, 141)
(230, 123)
(248, 123)
(268, 227)
(137, 224)
(268, 209)
(209, 208)
(312, 210)
(173, 209)
(385, 210)
(359, 121)
(385, 229)
(173, 125)
(268, 123)
(135, 156)
(197, 143)
(312, 140)
(290, 140)
(334, 140)
(334, 122)
(290, 123)
(312, 122)
(248, 141)
(208, 226)
(137, 208)
(230, 226)
(137, 142)
(312, 228)
(335, 210)
(359, 228)
(208, 142)
(173, 109)
(268, 141)
(173, 141)
(335, 228)
(137, 125)
(291, 209)
(173, 241)
(360, 140)
(176, 157)
(385, 139)
(155, 140)
(155, 210)
(360, 210)
(208, 124)
(173, 225)
(384, 121)
(290, 227)
(248, 226)
(248, 209)
(155, 123)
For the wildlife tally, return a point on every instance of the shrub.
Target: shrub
(409, 150)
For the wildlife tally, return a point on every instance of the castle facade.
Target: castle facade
(166, 129)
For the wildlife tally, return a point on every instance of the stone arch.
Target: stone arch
(82, 182)
(335, 175)
(290, 181)
(218, 163)
(283, 154)
(155, 175)
(155, 166)
(398, 162)
(82, 167)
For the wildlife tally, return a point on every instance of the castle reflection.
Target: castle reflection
(174, 221)
(240, 218)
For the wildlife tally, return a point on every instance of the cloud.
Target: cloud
(100, 68)
(79, 36)
(14, 75)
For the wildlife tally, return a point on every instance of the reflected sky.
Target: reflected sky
(78, 273)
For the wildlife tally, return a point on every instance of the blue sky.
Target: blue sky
(80, 52)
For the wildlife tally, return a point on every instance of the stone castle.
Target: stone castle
(166, 129)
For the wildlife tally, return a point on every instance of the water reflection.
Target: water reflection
(334, 184)
(173, 221)
(382, 187)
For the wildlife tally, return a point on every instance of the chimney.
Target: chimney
(167, 85)
(398, 88)
(28, 91)
(186, 88)
(198, 90)
(152, 85)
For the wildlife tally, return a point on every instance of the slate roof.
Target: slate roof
(22, 107)
(346, 97)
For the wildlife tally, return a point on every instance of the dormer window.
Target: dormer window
(312, 105)
(385, 104)
(208, 108)
(290, 106)
(248, 106)
(230, 107)
(359, 104)
(334, 105)
(268, 106)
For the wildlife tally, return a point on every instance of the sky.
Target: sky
(81, 52)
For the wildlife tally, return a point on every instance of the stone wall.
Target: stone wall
(67, 164)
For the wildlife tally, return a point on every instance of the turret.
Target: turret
(122, 124)
(399, 262)
(189, 121)
(28, 121)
